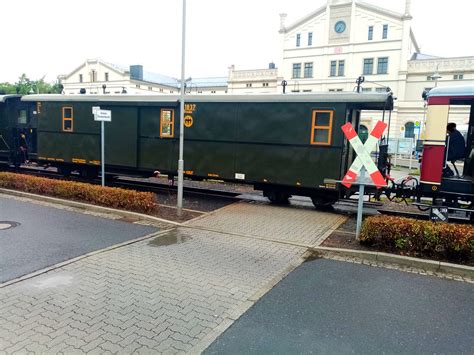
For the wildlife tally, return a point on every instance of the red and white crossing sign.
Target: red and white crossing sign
(363, 154)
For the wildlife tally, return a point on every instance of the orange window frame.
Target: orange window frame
(166, 135)
(314, 126)
(71, 119)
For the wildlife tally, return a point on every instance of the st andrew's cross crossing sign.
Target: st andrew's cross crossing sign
(363, 154)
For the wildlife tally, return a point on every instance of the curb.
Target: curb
(429, 265)
(87, 206)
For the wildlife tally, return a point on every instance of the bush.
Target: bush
(98, 195)
(420, 238)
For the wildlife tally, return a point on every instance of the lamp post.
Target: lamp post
(179, 204)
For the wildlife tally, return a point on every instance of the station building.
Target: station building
(328, 49)
(95, 76)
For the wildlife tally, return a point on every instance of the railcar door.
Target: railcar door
(157, 136)
(121, 137)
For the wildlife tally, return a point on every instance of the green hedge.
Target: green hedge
(95, 194)
(420, 238)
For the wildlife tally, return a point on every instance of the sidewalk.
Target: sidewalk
(174, 292)
(178, 290)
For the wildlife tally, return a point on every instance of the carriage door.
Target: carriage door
(352, 116)
(121, 137)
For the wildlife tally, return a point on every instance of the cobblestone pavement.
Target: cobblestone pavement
(303, 226)
(174, 293)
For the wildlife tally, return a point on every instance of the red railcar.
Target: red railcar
(433, 182)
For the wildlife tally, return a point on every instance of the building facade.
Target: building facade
(331, 47)
(254, 81)
(95, 76)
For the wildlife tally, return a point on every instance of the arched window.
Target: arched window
(409, 130)
(363, 133)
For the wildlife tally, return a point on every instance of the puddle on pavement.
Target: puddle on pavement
(8, 224)
(53, 281)
(172, 237)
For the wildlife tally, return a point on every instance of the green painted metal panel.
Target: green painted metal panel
(156, 154)
(212, 121)
(288, 165)
(121, 136)
(58, 146)
(150, 122)
(213, 159)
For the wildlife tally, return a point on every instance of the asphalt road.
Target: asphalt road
(46, 236)
(327, 306)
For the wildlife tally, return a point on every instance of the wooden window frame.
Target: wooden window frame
(161, 123)
(68, 119)
(328, 128)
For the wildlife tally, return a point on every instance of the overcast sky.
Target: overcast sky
(52, 37)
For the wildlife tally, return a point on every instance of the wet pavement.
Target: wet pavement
(34, 237)
(327, 306)
(175, 292)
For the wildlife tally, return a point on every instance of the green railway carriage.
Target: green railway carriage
(282, 144)
(17, 130)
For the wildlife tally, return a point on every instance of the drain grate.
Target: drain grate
(8, 224)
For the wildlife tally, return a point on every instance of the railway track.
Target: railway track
(162, 188)
(129, 182)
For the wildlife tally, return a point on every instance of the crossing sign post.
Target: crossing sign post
(102, 116)
(363, 163)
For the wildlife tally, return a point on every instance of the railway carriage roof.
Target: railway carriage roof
(3, 98)
(462, 90)
(369, 101)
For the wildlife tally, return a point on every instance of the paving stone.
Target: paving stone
(148, 298)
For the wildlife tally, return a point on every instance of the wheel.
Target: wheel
(88, 174)
(277, 197)
(321, 203)
(64, 171)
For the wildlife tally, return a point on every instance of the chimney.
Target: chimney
(407, 7)
(282, 21)
(136, 72)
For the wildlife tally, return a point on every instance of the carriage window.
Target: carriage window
(22, 117)
(321, 128)
(68, 118)
(167, 123)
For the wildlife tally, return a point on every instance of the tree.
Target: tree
(7, 88)
(25, 86)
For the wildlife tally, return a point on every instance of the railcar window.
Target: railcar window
(68, 118)
(321, 129)
(22, 117)
(167, 123)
